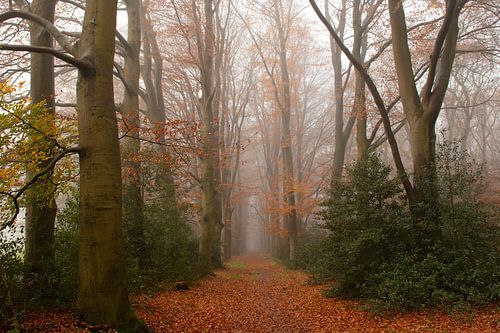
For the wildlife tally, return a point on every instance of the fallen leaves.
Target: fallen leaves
(256, 295)
(58, 321)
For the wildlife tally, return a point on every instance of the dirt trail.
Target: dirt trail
(255, 294)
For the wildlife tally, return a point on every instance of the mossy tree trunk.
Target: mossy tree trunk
(103, 295)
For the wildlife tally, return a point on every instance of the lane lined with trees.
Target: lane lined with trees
(143, 144)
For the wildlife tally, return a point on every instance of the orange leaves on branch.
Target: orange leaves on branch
(30, 136)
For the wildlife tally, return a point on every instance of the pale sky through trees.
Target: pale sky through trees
(150, 143)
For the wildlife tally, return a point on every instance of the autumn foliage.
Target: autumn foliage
(255, 294)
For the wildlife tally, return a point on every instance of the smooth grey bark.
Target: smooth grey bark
(102, 292)
(205, 41)
(41, 205)
(133, 206)
(342, 133)
(286, 138)
(422, 110)
(383, 110)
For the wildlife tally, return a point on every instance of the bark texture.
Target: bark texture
(422, 110)
(133, 207)
(103, 296)
(209, 214)
(286, 138)
(41, 206)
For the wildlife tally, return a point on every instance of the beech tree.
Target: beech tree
(41, 207)
(232, 98)
(131, 144)
(152, 71)
(422, 109)
(205, 41)
(102, 296)
(281, 16)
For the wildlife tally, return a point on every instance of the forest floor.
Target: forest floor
(255, 294)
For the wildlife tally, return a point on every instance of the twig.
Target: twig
(48, 168)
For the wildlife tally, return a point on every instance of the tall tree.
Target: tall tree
(342, 133)
(152, 75)
(41, 205)
(280, 16)
(206, 47)
(422, 110)
(286, 139)
(232, 90)
(363, 15)
(102, 294)
(131, 145)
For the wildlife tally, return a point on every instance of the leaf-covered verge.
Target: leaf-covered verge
(171, 250)
(258, 295)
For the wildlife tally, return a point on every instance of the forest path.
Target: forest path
(256, 294)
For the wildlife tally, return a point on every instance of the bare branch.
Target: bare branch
(79, 63)
(56, 33)
(378, 101)
(438, 45)
(48, 168)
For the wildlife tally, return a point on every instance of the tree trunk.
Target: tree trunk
(103, 296)
(133, 207)
(423, 143)
(41, 205)
(359, 107)
(422, 110)
(286, 138)
(208, 221)
(153, 78)
(219, 144)
(362, 142)
(227, 232)
(340, 140)
(236, 230)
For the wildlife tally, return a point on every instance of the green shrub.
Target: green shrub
(170, 248)
(170, 255)
(375, 252)
(65, 267)
(60, 276)
(313, 255)
(367, 223)
(12, 295)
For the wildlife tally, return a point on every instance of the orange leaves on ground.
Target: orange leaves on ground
(255, 295)
(59, 322)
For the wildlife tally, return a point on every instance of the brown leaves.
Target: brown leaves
(258, 295)
(255, 295)
(60, 321)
